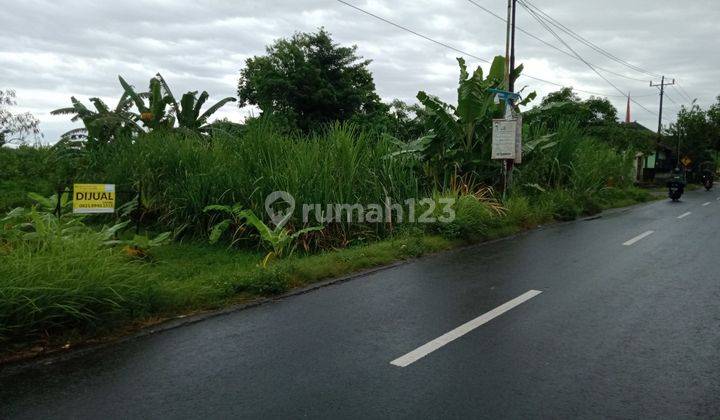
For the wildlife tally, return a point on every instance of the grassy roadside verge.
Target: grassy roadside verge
(187, 278)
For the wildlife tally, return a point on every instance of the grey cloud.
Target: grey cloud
(50, 50)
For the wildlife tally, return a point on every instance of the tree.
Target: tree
(103, 124)
(564, 104)
(156, 109)
(691, 133)
(15, 128)
(308, 80)
(407, 122)
(154, 114)
(563, 95)
(713, 118)
(459, 140)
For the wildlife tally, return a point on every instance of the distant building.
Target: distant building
(647, 165)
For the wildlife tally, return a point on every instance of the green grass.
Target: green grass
(69, 285)
(181, 174)
(193, 276)
(13, 193)
(80, 289)
(76, 286)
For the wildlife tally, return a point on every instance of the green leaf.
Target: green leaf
(496, 75)
(217, 231)
(137, 100)
(218, 207)
(445, 122)
(306, 230)
(44, 202)
(168, 94)
(214, 108)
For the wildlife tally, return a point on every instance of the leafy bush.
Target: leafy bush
(473, 217)
(271, 280)
(568, 159)
(562, 204)
(278, 239)
(22, 170)
(518, 211)
(596, 166)
(68, 284)
(181, 174)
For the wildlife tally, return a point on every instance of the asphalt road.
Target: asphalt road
(622, 327)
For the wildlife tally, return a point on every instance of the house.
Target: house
(646, 164)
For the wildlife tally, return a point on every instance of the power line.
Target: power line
(671, 99)
(682, 92)
(542, 22)
(427, 38)
(585, 41)
(531, 35)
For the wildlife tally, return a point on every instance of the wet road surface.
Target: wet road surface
(613, 317)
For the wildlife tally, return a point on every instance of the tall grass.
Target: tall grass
(572, 160)
(68, 283)
(181, 174)
(24, 169)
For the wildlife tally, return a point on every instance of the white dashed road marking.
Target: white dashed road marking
(686, 214)
(465, 328)
(706, 204)
(639, 237)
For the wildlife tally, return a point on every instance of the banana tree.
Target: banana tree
(459, 139)
(102, 124)
(153, 114)
(188, 113)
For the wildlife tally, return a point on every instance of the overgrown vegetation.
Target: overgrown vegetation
(696, 134)
(207, 184)
(58, 273)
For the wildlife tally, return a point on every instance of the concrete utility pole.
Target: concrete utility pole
(662, 85)
(509, 83)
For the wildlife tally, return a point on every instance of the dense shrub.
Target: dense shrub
(563, 205)
(568, 159)
(68, 284)
(271, 280)
(473, 218)
(181, 174)
(22, 170)
(518, 211)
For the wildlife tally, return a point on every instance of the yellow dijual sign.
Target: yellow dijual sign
(93, 198)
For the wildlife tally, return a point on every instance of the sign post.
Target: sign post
(93, 198)
(686, 161)
(507, 135)
(504, 138)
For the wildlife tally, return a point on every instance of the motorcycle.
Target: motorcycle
(675, 189)
(707, 181)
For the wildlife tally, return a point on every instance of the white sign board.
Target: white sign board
(518, 140)
(504, 137)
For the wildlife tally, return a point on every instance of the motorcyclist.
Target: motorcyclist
(677, 180)
(707, 176)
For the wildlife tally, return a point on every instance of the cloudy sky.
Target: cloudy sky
(52, 49)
